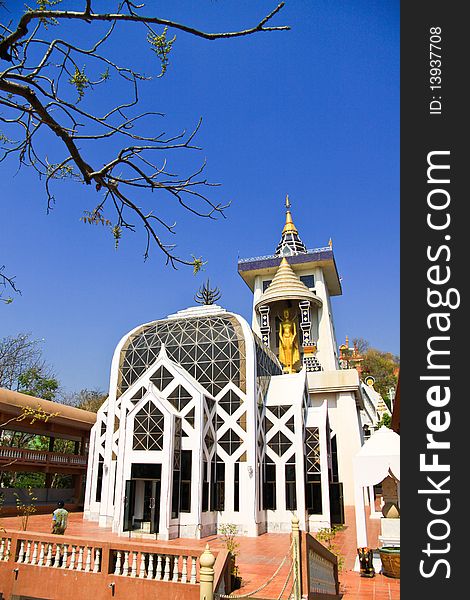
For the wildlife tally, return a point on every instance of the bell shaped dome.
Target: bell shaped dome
(286, 285)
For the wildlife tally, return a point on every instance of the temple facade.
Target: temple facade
(211, 420)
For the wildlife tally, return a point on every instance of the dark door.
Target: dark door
(129, 505)
(336, 503)
(154, 506)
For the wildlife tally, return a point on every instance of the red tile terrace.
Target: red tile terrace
(258, 559)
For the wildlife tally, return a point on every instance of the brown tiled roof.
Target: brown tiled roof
(13, 402)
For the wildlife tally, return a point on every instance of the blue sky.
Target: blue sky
(312, 112)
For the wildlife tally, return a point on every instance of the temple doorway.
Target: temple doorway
(142, 499)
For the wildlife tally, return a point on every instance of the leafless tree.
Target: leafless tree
(45, 104)
(9, 283)
(17, 355)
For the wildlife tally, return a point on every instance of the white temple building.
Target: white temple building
(210, 420)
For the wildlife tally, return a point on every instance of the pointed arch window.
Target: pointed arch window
(148, 428)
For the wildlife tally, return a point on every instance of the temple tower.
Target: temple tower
(300, 281)
(292, 289)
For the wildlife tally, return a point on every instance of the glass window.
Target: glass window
(179, 398)
(279, 443)
(161, 378)
(308, 280)
(313, 494)
(138, 395)
(205, 487)
(236, 487)
(212, 349)
(269, 495)
(291, 495)
(186, 468)
(312, 450)
(218, 485)
(266, 284)
(230, 441)
(148, 428)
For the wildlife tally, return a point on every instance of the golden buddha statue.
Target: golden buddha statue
(288, 345)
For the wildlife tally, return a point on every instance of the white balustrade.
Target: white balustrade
(80, 559)
(57, 557)
(128, 563)
(65, 557)
(193, 570)
(150, 568)
(125, 566)
(26, 554)
(143, 556)
(41, 555)
(88, 560)
(96, 564)
(175, 568)
(158, 574)
(21, 552)
(166, 576)
(134, 565)
(34, 557)
(117, 568)
(49, 555)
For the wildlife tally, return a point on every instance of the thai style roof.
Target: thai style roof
(290, 240)
(286, 285)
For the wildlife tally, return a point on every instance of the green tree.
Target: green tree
(383, 366)
(385, 421)
(32, 383)
(59, 117)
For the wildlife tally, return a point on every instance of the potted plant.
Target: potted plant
(390, 557)
(228, 532)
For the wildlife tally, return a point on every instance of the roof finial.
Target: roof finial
(330, 243)
(290, 242)
(289, 226)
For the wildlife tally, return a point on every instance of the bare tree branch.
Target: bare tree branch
(36, 99)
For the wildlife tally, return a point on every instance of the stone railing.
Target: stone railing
(68, 568)
(42, 457)
(5, 548)
(179, 568)
(74, 557)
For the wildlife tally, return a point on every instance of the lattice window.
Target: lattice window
(290, 424)
(267, 424)
(230, 402)
(190, 417)
(211, 349)
(180, 398)
(279, 411)
(177, 445)
(230, 441)
(161, 378)
(312, 453)
(148, 428)
(138, 395)
(279, 443)
(209, 440)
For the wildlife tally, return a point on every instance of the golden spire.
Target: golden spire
(330, 243)
(289, 226)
